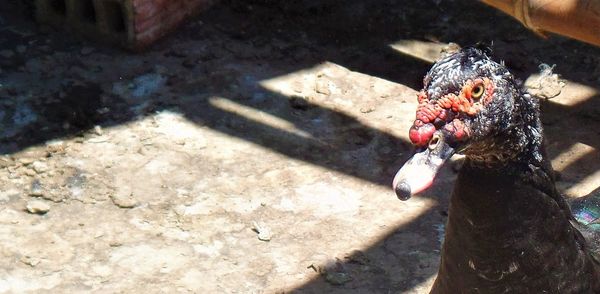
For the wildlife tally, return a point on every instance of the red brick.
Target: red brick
(146, 9)
(147, 22)
(130, 23)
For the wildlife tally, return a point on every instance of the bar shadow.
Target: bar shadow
(358, 38)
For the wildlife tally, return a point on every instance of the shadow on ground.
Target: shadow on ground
(293, 37)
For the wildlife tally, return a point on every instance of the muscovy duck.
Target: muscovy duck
(509, 230)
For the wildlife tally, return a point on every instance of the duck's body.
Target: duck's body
(505, 235)
(509, 230)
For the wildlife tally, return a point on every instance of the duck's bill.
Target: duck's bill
(417, 173)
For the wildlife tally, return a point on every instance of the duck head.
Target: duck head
(469, 105)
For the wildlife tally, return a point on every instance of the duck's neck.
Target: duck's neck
(518, 148)
(509, 227)
(525, 161)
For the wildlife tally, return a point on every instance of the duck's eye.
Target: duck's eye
(477, 91)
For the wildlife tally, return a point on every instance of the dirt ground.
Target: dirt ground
(251, 151)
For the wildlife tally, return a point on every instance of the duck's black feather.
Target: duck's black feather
(509, 230)
(504, 235)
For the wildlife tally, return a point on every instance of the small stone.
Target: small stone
(39, 167)
(54, 196)
(55, 146)
(98, 130)
(115, 243)
(30, 260)
(322, 87)
(26, 160)
(6, 161)
(124, 200)
(21, 49)
(367, 109)
(37, 207)
(264, 234)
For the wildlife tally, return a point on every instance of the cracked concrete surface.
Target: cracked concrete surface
(157, 172)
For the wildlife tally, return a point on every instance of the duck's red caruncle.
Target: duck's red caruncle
(447, 111)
